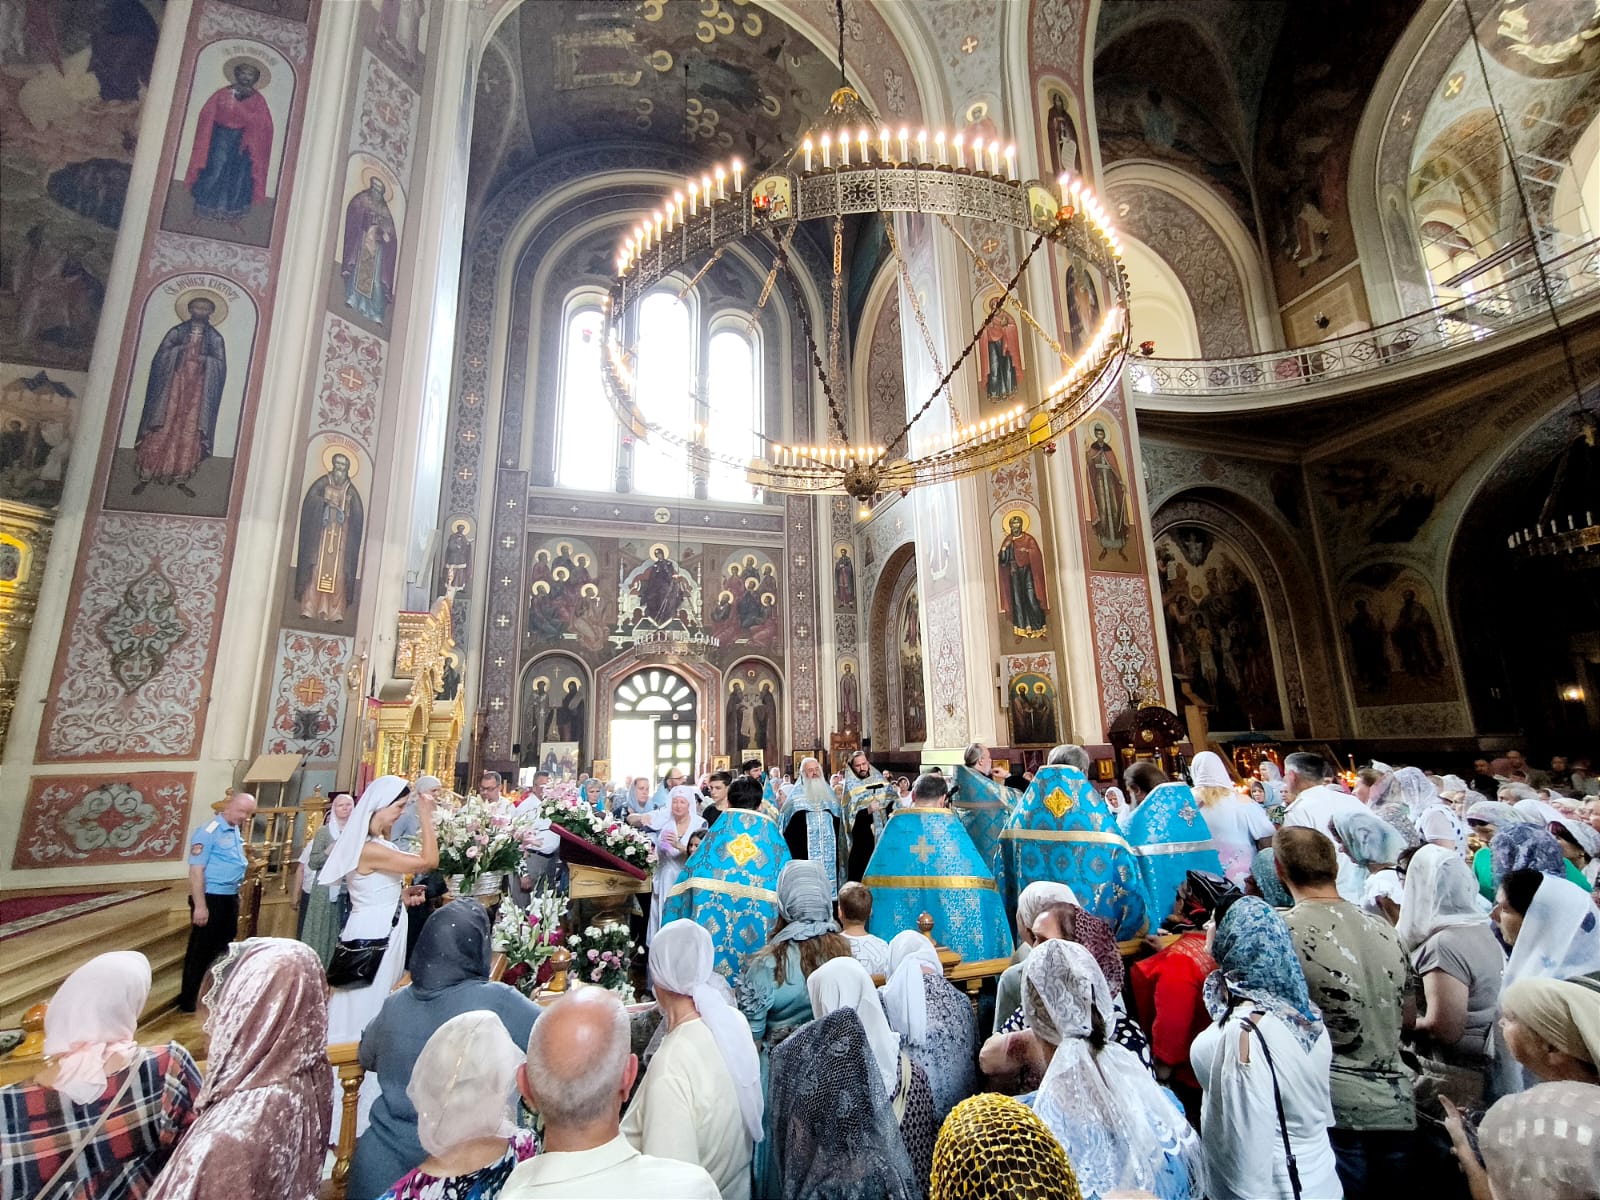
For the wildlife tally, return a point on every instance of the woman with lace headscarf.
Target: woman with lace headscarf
(1446, 932)
(844, 983)
(1531, 846)
(1552, 927)
(1580, 845)
(679, 824)
(701, 1100)
(1485, 820)
(265, 1109)
(933, 1016)
(832, 1127)
(1032, 901)
(992, 1147)
(462, 1088)
(1263, 1014)
(96, 1076)
(772, 991)
(1374, 846)
(1119, 1129)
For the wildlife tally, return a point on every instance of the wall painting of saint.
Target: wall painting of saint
(230, 155)
(180, 427)
(369, 245)
(325, 584)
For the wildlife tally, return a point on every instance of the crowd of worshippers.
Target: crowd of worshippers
(1216, 988)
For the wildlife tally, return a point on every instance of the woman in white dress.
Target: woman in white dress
(1239, 826)
(674, 824)
(372, 867)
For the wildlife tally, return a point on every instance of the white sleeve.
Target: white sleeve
(1247, 1116)
(1259, 823)
(1299, 816)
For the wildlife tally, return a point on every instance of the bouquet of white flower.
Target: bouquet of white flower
(480, 839)
(602, 955)
(563, 806)
(529, 939)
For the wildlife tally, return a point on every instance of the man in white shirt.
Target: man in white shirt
(1313, 804)
(578, 1073)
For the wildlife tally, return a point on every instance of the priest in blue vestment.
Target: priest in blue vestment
(926, 863)
(982, 804)
(1168, 834)
(813, 825)
(868, 796)
(729, 885)
(1062, 831)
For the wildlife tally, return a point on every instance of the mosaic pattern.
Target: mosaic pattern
(348, 387)
(308, 696)
(387, 120)
(946, 657)
(805, 719)
(94, 713)
(1124, 640)
(72, 821)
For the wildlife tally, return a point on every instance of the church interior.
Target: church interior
(608, 387)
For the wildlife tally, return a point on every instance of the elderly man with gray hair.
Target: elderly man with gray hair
(579, 1072)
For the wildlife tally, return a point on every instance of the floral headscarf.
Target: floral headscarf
(1368, 840)
(1095, 936)
(1264, 870)
(1256, 961)
(1525, 847)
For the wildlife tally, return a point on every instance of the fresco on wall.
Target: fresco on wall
(326, 570)
(1137, 121)
(1082, 304)
(1023, 586)
(38, 419)
(913, 713)
(362, 288)
(230, 153)
(1394, 638)
(844, 579)
(72, 79)
(455, 563)
(746, 606)
(552, 708)
(1107, 504)
(1058, 108)
(999, 359)
(752, 711)
(403, 29)
(1031, 709)
(849, 696)
(181, 420)
(565, 600)
(660, 584)
(1216, 625)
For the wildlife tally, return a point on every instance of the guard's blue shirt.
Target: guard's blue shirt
(218, 848)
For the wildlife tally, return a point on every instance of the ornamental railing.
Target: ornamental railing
(1516, 301)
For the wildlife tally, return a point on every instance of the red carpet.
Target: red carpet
(23, 914)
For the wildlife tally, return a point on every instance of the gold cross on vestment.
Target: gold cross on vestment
(743, 848)
(923, 850)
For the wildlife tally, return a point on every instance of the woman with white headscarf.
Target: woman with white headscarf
(680, 821)
(1119, 1129)
(370, 867)
(1375, 847)
(96, 1075)
(934, 1017)
(1580, 844)
(701, 1100)
(1239, 826)
(319, 913)
(1033, 900)
(844, 983)
(462, 1088)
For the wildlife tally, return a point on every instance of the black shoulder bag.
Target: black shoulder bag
(1249, 1025)
(355, 963)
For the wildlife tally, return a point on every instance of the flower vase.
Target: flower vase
(453, 885)
(488, 885)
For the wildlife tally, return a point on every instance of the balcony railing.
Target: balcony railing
(1514, 301)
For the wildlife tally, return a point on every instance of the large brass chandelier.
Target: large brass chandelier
(849, 162)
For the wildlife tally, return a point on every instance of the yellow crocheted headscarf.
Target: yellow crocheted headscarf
(992, 1147)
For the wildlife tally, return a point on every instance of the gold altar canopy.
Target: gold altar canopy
(420, 734)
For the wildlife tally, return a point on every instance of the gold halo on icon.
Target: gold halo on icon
(341, 450)
(1041, 688)
(250, 60)
(661, 546)
(569, 680)
(218, 304)
(1016, 512)
(371, 173)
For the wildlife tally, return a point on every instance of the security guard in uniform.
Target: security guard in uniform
(217, 866)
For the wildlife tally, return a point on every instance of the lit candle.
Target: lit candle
(827, 151)
(994, 156)
(677, 205)
(738, 175)
(694, 198)
(922, 145)
(807, 148)
(705, 189)
(1063, 183)
(722, 184)
(905, 154)
(938, 146)
(961, 151)
(883, 144)
(1077, 186)
(1011, 162)
(658, 226)
(844, 147)
(861, 136)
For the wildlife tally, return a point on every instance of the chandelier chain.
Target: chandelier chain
(801, 309)
(983, 265)
(994, 310)
(838, 298)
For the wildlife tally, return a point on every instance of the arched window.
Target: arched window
(732, 411)
(586, 442)
(665, 394)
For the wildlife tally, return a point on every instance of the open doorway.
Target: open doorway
(653, 725)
